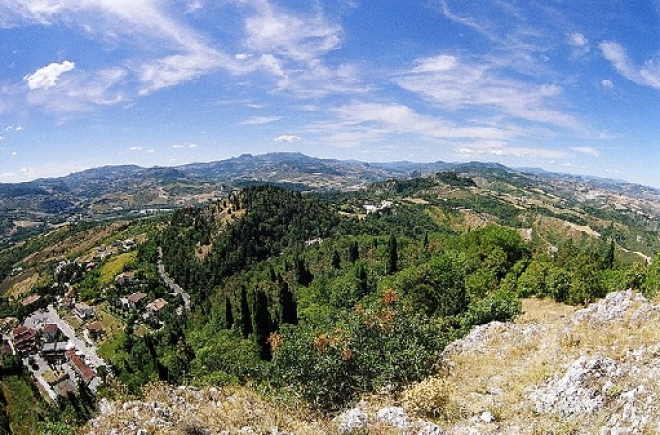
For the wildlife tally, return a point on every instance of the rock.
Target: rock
(487, 417)
(582, 389)
(353, 419)
(427, 428)
(393, 416)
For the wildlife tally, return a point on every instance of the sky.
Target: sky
(567, 86)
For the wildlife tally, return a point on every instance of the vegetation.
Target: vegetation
(310, 295)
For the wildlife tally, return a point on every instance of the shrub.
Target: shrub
(428, 399)
(367, 350)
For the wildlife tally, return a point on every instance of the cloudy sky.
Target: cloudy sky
(565, 86)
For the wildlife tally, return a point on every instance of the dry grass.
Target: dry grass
(507, 362)
(20, 285)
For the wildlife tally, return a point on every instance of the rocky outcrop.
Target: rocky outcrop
(557, 369)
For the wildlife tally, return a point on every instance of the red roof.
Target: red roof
(49, 328)
(137, 297)
(83, 369)
(95, 327)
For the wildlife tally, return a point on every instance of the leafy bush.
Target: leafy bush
(368, 350)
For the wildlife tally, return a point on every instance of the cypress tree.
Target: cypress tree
(229, 314)
(392, 256)
(303, 275)
(336, 260)
(353, 252)
(362, 280)
(263, 325)
(288, 305)
(246, 316)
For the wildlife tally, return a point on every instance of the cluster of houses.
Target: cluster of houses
(62, 364)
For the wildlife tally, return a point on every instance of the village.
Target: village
(58, 340)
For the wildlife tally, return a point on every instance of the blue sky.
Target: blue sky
(565, 86)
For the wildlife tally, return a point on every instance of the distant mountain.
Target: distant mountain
(114, 191)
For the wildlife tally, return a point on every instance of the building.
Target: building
(83, 311)
(156, 306)
(126, 279)
(24, 340)
(95, 329)
(30, 300)
(137, 300)
(79, 365)
(49, 332)
(54, 353)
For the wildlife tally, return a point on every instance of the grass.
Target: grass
(19, 285)
(111, 324)
(21, 405)
(114, 266)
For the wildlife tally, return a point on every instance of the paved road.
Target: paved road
(89, 352)
(171, 284)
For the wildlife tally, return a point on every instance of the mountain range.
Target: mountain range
(116, 191)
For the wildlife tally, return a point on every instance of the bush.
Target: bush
(368, 350)
(428, 399)
(501, 306)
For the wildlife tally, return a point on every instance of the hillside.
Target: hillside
(130, 191)
(309, 302)
(556, 369)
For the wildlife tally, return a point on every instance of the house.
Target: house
(24, 339)
(54, 352)
(83, 311)
(65, 388)
(156, 306)
(137, 300)
(95, 329)
(126, 279)
(49, 332)
(30, 300)
(79, 365)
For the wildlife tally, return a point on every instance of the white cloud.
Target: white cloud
(259, 120)
(193, 145)
(2, 138)
(586, 150)
(82, 91)
(287, 138)
(135, 149)
(464, 83)
(607, 84)
(9, 128)
(14, 153)
(19, 128)
(151, 151)
(177, 146)
(47, 76)
(578, 40)
(646, 75)
(27, 171)
(272, 30)
(580, 44)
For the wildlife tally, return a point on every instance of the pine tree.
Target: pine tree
(246, 316)
(288, 305)
(229, 314)
(263, 325)
(392, 256)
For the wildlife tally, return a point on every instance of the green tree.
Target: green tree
(229, 314)
(392, 256)
(246, 315)
(288, 305)
(263, 325)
